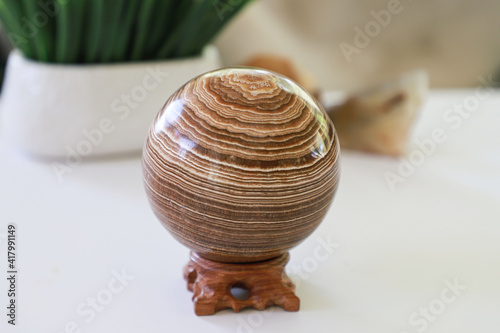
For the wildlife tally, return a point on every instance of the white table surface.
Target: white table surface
(394, 250)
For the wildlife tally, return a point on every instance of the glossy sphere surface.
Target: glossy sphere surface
(241, 165)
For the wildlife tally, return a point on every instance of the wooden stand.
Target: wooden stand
(266, 284)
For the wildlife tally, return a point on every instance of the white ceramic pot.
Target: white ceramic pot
(56, 111)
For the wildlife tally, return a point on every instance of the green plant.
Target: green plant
(101, 31)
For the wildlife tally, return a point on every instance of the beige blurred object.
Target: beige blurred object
(455, 41)
(379, 120)
(286, 67)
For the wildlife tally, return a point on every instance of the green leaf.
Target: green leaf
(99, 31)
(141, 29)
(124, 39)
(69, 23)
(114, 14)
(95, 24)
(159, 26)
(12, 13)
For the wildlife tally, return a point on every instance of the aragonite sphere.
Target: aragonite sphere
(241, 165)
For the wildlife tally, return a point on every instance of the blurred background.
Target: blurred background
(455, 41)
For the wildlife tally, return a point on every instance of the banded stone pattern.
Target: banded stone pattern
(241, 165)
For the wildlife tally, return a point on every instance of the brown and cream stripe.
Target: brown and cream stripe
(241, 165)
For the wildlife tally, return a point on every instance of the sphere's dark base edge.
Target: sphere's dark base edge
(238, 259)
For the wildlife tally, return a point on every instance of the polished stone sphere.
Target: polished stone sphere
(241, 164)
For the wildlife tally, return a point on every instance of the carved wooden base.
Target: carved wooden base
(266, 284)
